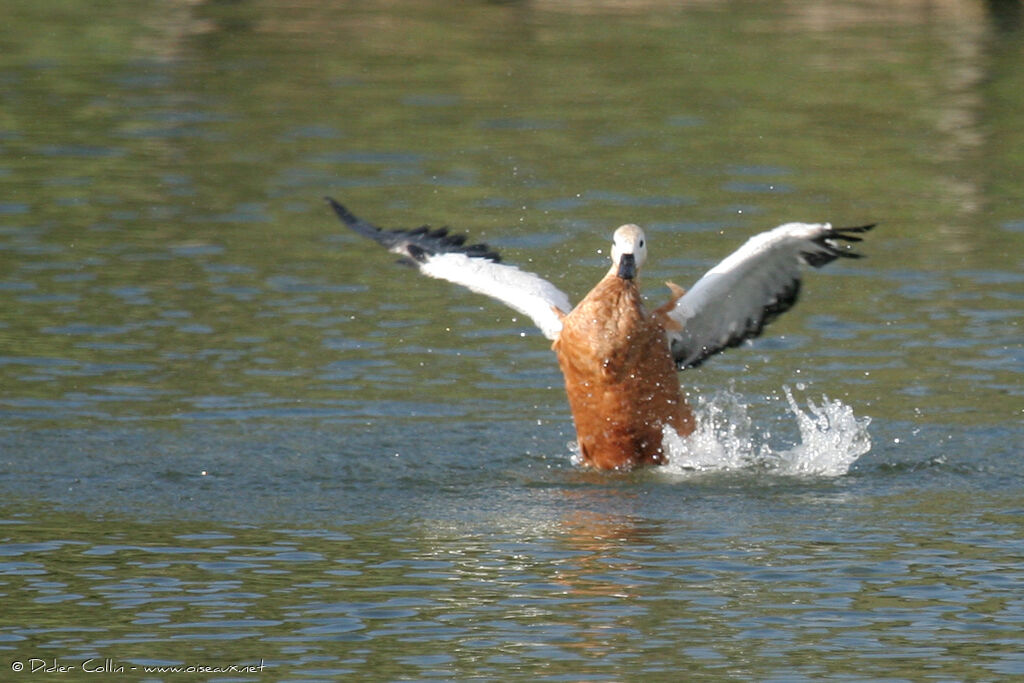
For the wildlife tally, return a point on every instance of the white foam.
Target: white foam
(831, 439)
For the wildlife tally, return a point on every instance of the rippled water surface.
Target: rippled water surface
(239, 442)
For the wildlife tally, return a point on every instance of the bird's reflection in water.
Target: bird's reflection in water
(612, 553)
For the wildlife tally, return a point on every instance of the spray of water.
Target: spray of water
(831, 438)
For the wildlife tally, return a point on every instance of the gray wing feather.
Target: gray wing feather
(734, 300)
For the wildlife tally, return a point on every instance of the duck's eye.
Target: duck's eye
(641, 244)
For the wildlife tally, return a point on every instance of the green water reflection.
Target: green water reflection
(162, 224)
(167, 266)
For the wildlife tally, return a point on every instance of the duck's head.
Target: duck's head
(629, 251)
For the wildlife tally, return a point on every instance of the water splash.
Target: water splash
(831, 439)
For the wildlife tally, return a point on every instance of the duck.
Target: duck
(621, 363)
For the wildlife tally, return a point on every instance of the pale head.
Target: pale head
(629, 251)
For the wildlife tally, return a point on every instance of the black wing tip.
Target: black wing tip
(418, 242)
(849, 234)
(834, 243)
(856, 228)
(440, 241)
(346, 216)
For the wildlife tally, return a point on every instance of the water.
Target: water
(232, 435)
(832, 438)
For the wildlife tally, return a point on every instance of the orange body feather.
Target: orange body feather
(620, 378)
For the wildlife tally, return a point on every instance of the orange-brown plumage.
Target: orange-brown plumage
(619, 373)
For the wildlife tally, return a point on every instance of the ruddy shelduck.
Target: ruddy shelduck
(620, 362)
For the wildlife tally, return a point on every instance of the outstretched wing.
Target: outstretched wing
(438, 254)
(757, 283)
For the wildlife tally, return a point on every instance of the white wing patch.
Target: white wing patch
(753, 286)
(530, 294)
